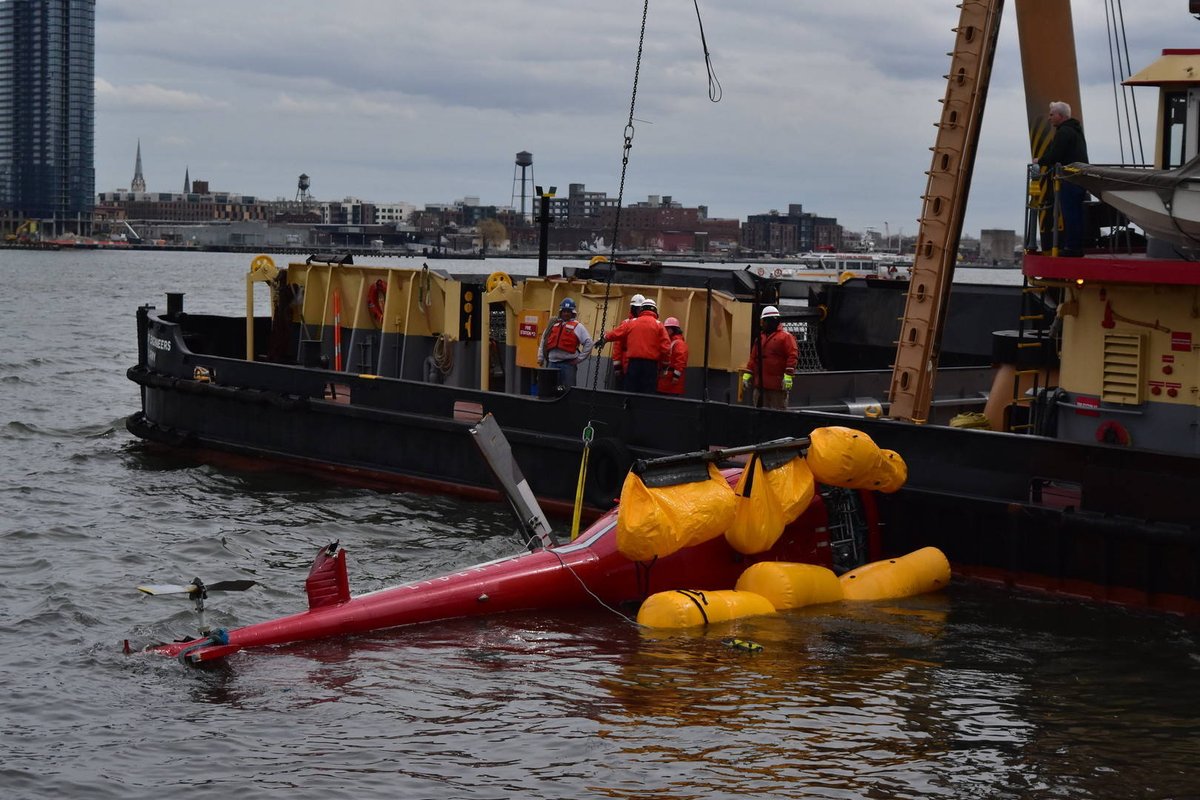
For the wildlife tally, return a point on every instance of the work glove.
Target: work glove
(787, 382)
(746, 379)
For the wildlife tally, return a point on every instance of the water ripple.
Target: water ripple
(973, 693)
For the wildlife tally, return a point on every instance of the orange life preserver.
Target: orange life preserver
(1113, 432)
(376, 296)
(561, 336)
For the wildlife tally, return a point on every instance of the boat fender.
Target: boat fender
(1113, 432)
(498, 279)
(376, 297)
(608, 463)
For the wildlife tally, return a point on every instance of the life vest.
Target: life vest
(561, 336)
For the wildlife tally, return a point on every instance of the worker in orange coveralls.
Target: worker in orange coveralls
(772, 362)
(618, 348)
(672, 367)
(644, 342)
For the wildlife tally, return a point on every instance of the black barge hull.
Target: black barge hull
(1024, 511)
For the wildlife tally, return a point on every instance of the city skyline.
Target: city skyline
(832, 108)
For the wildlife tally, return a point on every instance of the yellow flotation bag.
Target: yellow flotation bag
(689, 608)
(895, 472)
(660, 521)
(788, 585)
(841, 456)
(758, 520)
(887, 474)
(767, 500)
(793, 486)
(921, 571)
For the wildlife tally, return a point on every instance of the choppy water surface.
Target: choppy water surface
(977, 693)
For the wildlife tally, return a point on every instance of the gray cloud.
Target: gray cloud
(826, 104)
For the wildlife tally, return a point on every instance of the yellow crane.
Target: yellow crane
(1050, 73)
(25, 232)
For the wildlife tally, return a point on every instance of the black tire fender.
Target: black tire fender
(608, 464)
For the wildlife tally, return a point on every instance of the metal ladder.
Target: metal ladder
(1032, 320)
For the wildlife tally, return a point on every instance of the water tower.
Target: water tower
(302, 195)
(524, 162)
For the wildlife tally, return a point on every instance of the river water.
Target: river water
(974, 693)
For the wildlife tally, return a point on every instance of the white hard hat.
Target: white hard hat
(647, 303)
(637, 300)
(769, 311)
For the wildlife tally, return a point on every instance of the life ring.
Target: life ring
(761, 272)
(608, 464)
(778, 273)
(498, 279)
(1113, 432)
(376, 297)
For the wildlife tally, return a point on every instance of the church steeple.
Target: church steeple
(139, 183)
(187, 181)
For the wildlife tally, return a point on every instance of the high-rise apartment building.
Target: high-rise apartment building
(47, 133)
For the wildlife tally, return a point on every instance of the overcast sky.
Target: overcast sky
(827, 103)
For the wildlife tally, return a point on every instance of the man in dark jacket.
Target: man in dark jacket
(1067, 147)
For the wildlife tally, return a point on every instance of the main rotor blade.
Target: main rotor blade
(179, 588)
(231, 586)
